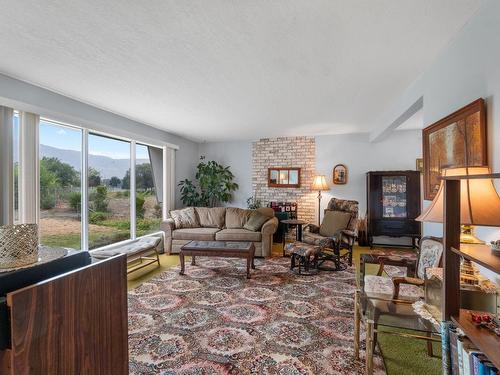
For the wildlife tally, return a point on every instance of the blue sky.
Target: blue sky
(71, 139)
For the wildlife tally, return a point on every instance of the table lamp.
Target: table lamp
(319, 184)
(479, 203)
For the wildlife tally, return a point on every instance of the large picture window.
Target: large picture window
(96, 211)
(60, 185)
(108, 190)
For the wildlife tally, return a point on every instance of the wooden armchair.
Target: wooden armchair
(407, 287)
(337, 232)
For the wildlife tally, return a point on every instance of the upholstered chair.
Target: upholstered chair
(409, 287)
(337, 232)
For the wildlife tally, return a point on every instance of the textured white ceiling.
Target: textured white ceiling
(225, 69)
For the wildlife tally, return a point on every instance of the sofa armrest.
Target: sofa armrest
(168, 227)
(270, 226)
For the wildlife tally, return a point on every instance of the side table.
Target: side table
(298, 227)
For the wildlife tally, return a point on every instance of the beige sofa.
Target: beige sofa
(222, 224)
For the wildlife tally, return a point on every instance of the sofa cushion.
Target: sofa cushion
(211, 217)
(185, 218)
(130, 248)
(333, 222)
(236, 218)
(201, 234)
(255, 221)
(238, 235)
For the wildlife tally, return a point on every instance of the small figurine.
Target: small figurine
(495, 246)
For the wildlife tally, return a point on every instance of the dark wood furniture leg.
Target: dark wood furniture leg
(249, 264)
(181, 257)
(193, 260)
(299, 232)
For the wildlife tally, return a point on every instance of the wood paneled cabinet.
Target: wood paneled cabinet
(71, 323)
(393, 203)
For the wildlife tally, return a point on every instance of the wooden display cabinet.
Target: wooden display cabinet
(393, 203)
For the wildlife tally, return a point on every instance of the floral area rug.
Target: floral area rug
(213, 320)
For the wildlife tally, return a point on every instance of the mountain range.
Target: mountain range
(108, 167)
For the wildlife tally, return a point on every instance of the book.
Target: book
(468, 349)
(460, 355)
(454, 351)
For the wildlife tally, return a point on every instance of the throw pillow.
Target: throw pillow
(333, 222)
(211, 217)
(236, 217)
(255, 221)
(185, 218)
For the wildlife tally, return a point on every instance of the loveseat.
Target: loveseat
(220, 224)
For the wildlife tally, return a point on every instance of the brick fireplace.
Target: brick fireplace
(286, 152)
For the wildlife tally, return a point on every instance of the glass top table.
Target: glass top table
(378, 311)
(231, 249)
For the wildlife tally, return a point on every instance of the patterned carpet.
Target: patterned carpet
(214, 321)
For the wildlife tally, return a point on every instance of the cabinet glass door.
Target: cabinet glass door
(394, 197)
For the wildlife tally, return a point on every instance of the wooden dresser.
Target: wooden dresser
(73, 322)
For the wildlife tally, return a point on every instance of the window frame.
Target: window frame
(84, 180)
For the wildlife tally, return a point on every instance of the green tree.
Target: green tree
(48, 184)
(126, 180)
(99, 199)
(114, 181)
(65, 174)
(75, 200)
(94, 177)
(140, 198)
(144, 177)
(214, 185)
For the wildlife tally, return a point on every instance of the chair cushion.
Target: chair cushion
(382, 287)
(211, 217)
(202, 234)
(255, 221)
(345, 205)
(302, 249)
(430, 255)
(238, 234)
(333, 222)
(317, 240)
(185, 218)
(236, 218)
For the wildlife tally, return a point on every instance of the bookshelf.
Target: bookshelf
(485, 340)
(482, 338)
(480, 254)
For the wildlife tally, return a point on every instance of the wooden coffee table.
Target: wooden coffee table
(228, 249)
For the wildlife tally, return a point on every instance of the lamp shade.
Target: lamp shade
(479, 201)
(319, 183)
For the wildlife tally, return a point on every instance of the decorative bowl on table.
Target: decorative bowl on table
(18, 245)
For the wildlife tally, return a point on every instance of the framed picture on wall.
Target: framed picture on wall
(458, 140)
(340, 174)
(283, 177)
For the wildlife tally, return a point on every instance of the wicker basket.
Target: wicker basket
(18, 245)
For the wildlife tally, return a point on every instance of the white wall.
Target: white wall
(26, 97)
(397, 152)
(237, 155)
(467, 69)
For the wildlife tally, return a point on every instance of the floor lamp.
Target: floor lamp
(320, 184)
